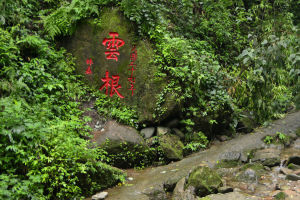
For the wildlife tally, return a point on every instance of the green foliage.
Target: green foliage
(268, 139)
(43, 153)
(63, 20)
(114, 108)
(195, 142)
(129, 156)
(220, 59)
(278, 138)
(268, 85)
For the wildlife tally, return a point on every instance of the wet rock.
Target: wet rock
(268, 157)
(148, 132)
(156, 193)
(171, 146)
(286, 171)
(249, 175)
(163, 130)
(293, 166)
(280, 196)
(292, 177)
(227, 164)
(227, 171)
(250, 172)
(170, 184)
(296, 144)
(99, 196)
(222, 138)
(230, 196)
(180, 193)
(246, 154)
(204, 180)
(225, 189)
(294, 160)
(230, 156)
(179, 133)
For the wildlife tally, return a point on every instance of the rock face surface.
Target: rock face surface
(86, 43)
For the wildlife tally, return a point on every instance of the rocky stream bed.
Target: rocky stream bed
(242, 168)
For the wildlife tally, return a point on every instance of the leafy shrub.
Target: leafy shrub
(278, 138)
(47, 156)
(114, 108)
(128, 156)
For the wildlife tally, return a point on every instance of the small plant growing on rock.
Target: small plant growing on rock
(268, 139)
(279, 138)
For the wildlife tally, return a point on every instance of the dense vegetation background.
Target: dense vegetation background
(226, 61)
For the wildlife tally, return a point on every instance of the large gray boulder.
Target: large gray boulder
(86, 43)
(117, 134)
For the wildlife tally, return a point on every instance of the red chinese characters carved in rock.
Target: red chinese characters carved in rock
(131, 79)
(113, 83)
(89, 62)
(113, 44)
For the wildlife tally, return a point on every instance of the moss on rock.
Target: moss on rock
(205, 181)
(86, 42)
(171, 146)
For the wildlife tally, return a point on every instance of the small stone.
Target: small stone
(292, 177)
(148, 132)
(222, 138)
(163, 130)
(296, 144)
(286, 171)
(163, 172)
(99, 196)
(130, 178)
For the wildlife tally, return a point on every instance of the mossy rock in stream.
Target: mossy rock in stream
(171, 146)
(86, 42)
(227, 164)
(250, 172)
(205, 181)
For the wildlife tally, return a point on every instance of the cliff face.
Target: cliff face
(86, 43)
